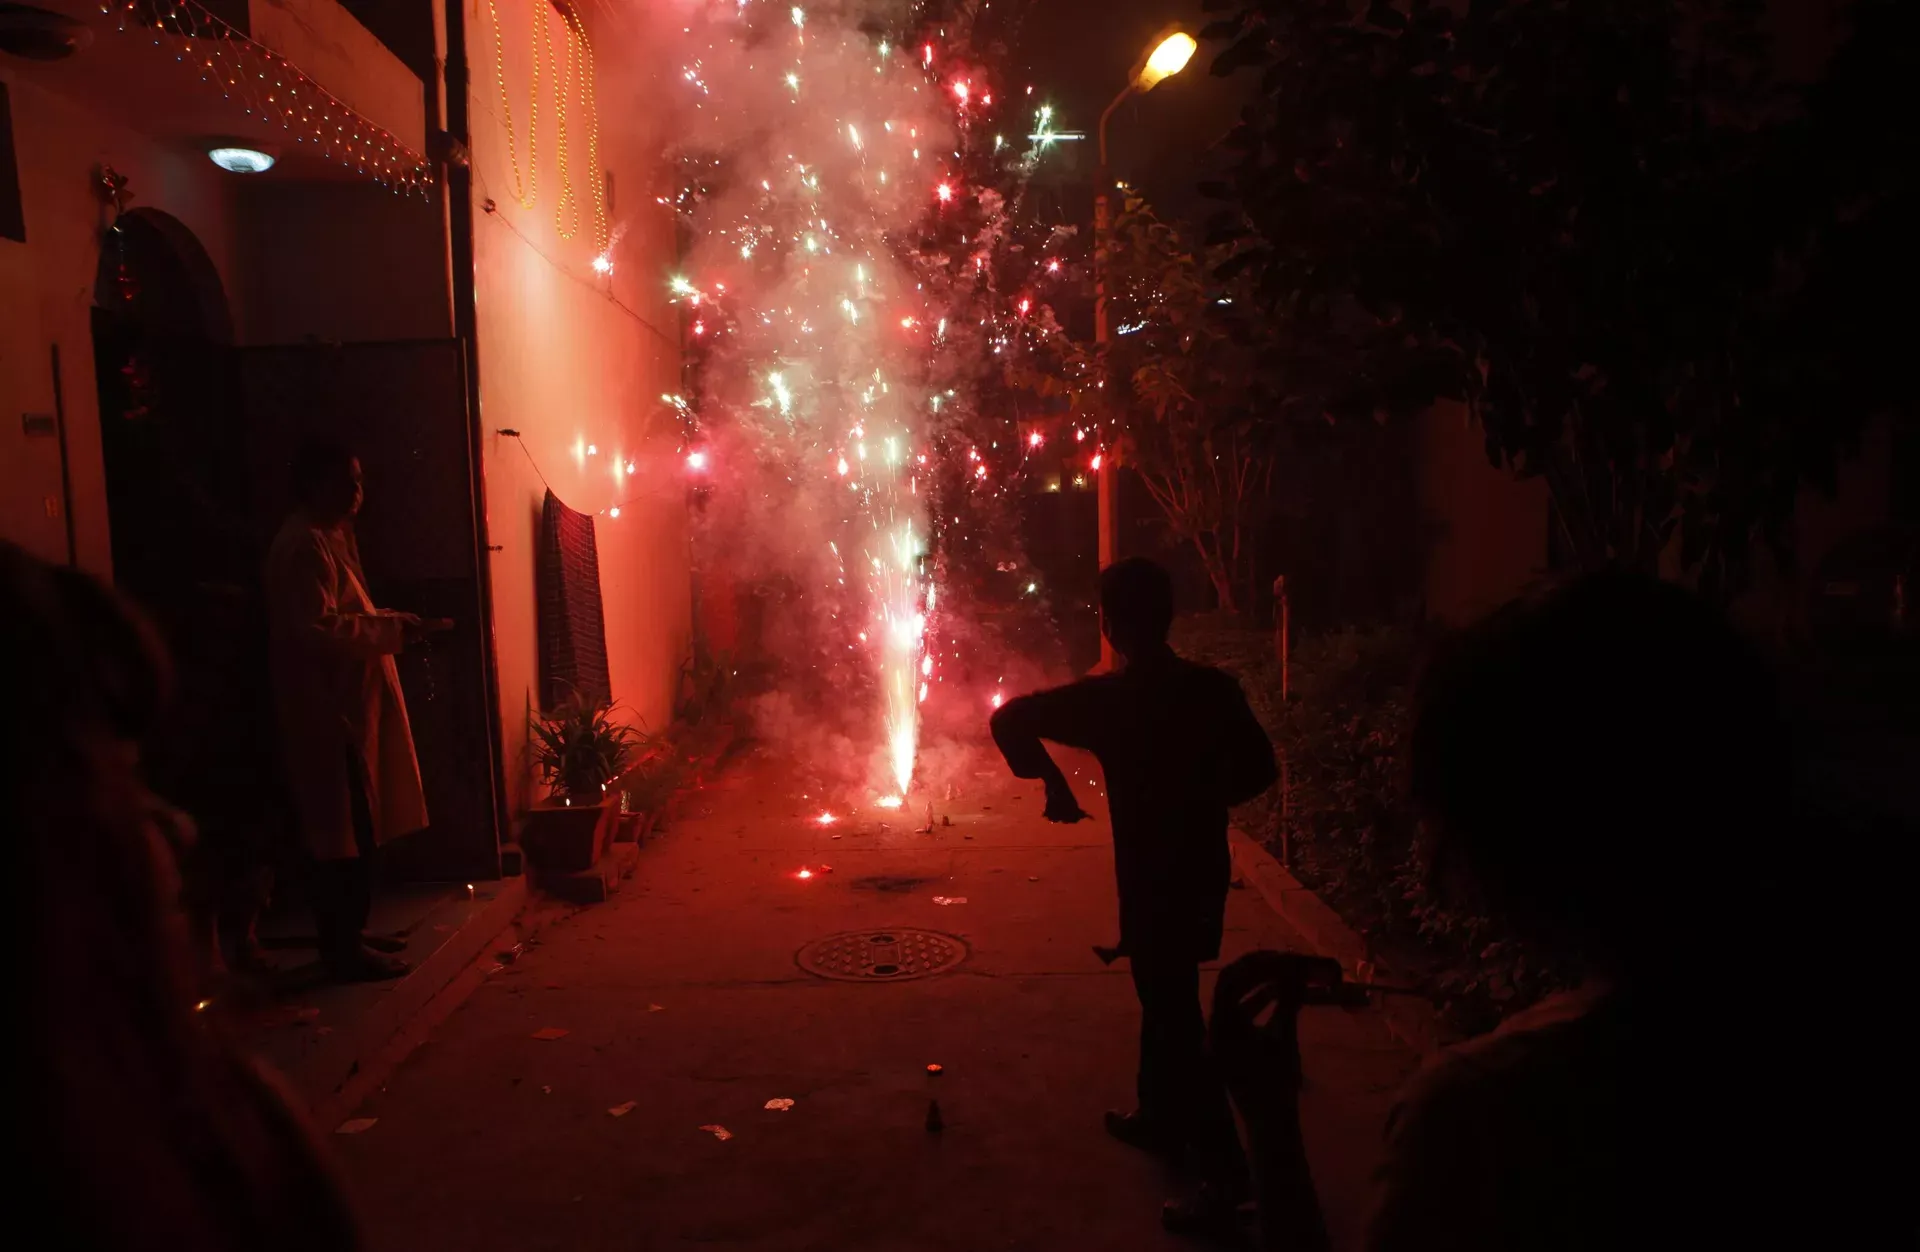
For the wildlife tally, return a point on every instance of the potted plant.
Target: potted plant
(580, 750)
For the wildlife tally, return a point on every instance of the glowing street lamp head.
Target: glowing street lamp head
(1168, 58)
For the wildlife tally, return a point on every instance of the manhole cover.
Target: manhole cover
(881, 955)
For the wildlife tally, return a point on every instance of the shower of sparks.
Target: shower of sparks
(806, 355)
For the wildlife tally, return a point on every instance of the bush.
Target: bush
(1354, 836)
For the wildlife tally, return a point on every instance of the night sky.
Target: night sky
(1078, 53)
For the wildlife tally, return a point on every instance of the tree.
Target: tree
(1590, 221)
(1180, 367)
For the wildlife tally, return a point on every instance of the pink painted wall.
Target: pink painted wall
(48, 297)
(575, 361)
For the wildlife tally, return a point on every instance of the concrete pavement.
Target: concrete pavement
(683, 996)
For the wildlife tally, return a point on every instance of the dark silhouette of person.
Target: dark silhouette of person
(346, 744)
(148, 1129)
(1179, 746)
(1603, 773)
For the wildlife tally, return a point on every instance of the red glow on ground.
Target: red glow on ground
(891, 802)
(805, 873)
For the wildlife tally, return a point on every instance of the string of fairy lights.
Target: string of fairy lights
(570, 68)
(271, 89)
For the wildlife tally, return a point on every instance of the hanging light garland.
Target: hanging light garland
(526, 190)
(272, 89)
(570, 66)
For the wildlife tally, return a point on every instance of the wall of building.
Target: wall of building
(345, 260)
(49, 284)
(338, 259)
(576, 362)
(1485, 531)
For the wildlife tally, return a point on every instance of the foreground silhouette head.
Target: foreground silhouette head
(1136, 605)
(1602, 766)
(155, 1135)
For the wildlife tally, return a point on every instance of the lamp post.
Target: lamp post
(1166, 57)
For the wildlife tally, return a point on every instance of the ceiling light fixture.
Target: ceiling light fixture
(241, 160)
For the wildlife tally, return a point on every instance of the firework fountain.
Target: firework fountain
(815, 150)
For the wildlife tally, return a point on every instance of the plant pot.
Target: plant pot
(632, 827)
(567, 839)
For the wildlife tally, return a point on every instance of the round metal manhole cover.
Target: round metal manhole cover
(881, 955)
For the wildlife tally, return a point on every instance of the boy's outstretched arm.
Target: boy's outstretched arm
(1067, 715)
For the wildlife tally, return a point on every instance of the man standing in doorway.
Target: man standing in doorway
(344, 737)
(1179, 746)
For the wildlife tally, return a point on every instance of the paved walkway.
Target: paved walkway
(683, 997)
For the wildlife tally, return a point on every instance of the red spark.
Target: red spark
(1053, 265)
(696, 460)
(699, 328)
(1025, 304)
(960, 90)
(926, 54)
(998, 699)
(1035, 439)
(805, 873)
(944, 191)
(1096, 460)
(826, 819)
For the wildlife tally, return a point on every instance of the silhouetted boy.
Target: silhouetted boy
(1179, 746)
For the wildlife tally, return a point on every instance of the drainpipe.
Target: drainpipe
(458, 184)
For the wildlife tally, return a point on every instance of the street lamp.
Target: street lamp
(1164, 58)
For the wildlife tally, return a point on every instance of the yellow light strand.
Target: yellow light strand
(564, 88)
(526, 191)
(589, 96)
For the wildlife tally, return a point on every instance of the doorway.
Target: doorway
(184, 546)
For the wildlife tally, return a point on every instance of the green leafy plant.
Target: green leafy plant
(579, 749)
